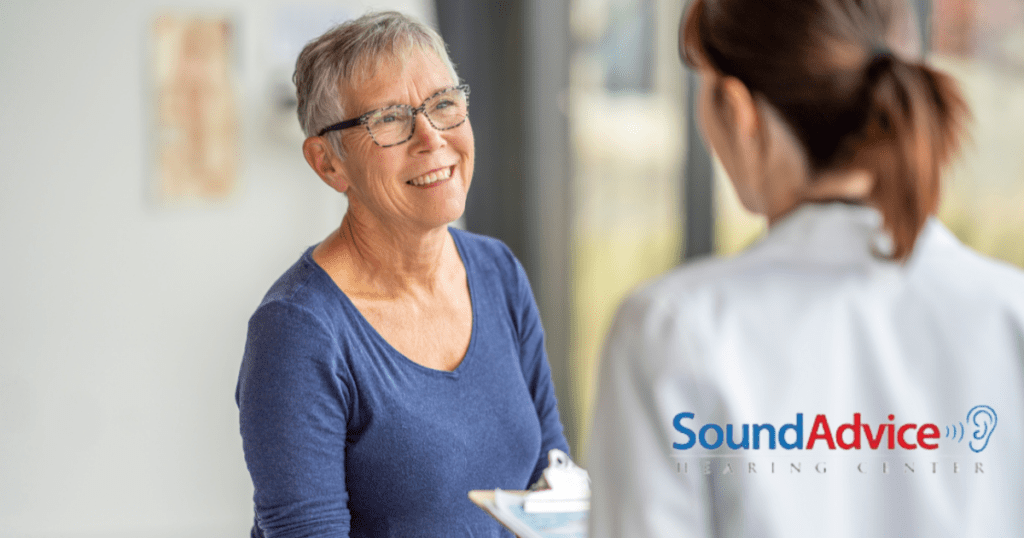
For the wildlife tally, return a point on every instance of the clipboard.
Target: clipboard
(557, 507)
(484, 498)
(529, 525)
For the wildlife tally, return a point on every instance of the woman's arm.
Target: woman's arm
(293, 411)
(537, 371)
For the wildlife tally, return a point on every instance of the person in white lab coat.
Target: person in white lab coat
(858, 371)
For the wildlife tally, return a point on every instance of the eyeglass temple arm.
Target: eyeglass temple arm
(339, 126)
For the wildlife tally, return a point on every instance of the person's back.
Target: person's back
(858, 372)
(807, 324)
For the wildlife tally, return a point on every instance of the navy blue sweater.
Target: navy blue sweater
(344, 436)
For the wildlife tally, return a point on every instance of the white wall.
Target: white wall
(122, 322)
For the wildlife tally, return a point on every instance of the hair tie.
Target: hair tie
(880, 57)
(879, 51)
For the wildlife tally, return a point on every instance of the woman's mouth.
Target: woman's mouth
(431, 177)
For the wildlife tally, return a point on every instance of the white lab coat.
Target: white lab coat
(810, 321)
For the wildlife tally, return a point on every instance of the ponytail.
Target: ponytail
(899, 120)
(914, 121)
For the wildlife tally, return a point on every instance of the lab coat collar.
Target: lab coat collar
(839, 233)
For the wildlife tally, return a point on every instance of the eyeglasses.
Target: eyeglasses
(394, 125)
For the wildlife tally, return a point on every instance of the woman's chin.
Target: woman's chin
(444, 214)
(453, 215)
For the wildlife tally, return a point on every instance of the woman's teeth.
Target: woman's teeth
(432, 177)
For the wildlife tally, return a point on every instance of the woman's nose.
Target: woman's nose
(426, 137)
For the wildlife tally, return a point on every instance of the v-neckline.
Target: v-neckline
(356, 314)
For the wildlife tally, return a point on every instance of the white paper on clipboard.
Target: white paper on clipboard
(507, 508)
(558, 507)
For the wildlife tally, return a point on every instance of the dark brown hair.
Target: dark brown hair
(825, 65)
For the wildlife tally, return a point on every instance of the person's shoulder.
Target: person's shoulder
(662, 321)
(679, 309)
(945, 260)
(303, 290)
(704, 295)
(487, 254)
(481, 245)
(693, 283)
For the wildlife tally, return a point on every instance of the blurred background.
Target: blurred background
(152, 187)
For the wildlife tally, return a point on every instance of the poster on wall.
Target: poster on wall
(196, 120)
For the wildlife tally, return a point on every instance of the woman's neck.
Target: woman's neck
(850, 186)
(390, 261)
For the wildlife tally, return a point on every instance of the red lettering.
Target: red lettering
(903, 429)
(855, 428)
(821, 421)
(933, 433)
(892, 438)
(873, 442)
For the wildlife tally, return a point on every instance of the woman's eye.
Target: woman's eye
(388, 117)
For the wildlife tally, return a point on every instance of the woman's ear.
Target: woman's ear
(742, 106)
(321, 158)
(742, 127)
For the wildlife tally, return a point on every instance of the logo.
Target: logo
(982, 419)
(854, 435)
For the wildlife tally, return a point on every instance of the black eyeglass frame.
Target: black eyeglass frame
(364, 119)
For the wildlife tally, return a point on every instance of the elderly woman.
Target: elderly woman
(399, 363)
(809, 386)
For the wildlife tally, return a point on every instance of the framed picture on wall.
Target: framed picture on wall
(196, 120)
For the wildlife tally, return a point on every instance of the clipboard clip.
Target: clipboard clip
(563, 487)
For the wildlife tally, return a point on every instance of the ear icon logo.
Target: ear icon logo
(983, 419)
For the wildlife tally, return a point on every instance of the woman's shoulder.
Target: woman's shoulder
(818, 251)
(483, 254)
(480, 245)
(686, 289)
(303, 291)
(945, 264)
(792, 267)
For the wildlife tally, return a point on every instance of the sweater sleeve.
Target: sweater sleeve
(537, 371)
(293, 408)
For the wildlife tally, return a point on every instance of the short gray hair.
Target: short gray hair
(351, 52)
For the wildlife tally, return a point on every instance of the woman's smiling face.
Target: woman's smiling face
(420, 184)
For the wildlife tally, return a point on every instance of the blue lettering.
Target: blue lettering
(712, 436)
(678, 423)
(745, 443)
(718, 436)
(758, 428)
(797, 428)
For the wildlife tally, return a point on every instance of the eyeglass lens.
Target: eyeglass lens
(394, 124)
